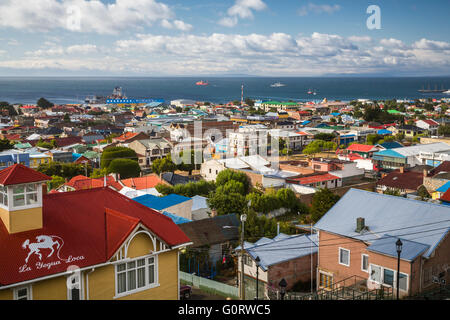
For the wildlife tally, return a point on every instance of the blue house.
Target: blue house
(10, 157)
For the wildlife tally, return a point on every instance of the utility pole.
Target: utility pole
(243, 218)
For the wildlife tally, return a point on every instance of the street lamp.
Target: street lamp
(283, 285)
(243, 219)
(399, 250)
(257, 260)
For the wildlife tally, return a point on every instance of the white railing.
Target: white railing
(209, 285)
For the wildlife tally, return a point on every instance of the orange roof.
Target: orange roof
(18, 173)
(126, 136)
(146, 182)
(315, 179)
(81, 182)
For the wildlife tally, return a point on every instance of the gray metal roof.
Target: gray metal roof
(281, 248)
(386, 245)
(422, 222)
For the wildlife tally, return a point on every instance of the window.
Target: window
(403, 281)
(22, 293)
(365, 262)
(248, 261)
(4, 196)
(375, 273)
(25, 195)
(74, 287)
(135, 275)
(344, 257)
(326, 281)
(388, 277)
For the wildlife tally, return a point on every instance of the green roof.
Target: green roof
(393, 111)
(22, 145)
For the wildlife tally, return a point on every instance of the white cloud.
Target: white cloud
(360, 38)
(425, 44)
(257, 54)
(315, 8)
(241, 9)
(83, 15)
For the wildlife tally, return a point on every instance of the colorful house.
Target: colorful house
(67, 246)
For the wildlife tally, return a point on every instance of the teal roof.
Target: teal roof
(389, 153)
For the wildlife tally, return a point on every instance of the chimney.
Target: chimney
(360, 224)
(44, 189)
(402, 169)
(425, 173)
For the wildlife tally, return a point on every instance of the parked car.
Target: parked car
(185, 292)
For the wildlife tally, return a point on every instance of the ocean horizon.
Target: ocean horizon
(221, 89)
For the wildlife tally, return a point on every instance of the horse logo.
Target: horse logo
(43, 242)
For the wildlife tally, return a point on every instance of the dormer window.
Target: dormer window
(4, 196)
(25, 195)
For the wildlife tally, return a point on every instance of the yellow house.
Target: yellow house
(93, 244)
(39, 158)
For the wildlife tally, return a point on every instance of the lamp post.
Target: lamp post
(243, 219)
(257, 260)
(283, 285)
(399, 250)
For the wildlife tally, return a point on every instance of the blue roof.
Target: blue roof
(387, 245)
(388, 153)
(444, 188)
(176, 219)
(423, 222)
(391, 145)
(160, 203)
(281, 248)
(384, 131)
(335, 113)
(305, 122)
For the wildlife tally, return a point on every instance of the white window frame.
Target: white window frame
(362, 263)
(38, 194)
(79, 277)
(381, 282)
(29, 292)
(147, 285)
(339, 257)
(4, 195)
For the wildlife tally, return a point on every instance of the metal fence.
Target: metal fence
(210, 286)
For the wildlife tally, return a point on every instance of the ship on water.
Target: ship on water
(202, 83)
(116, 94)
(277, 85)
(435, 90)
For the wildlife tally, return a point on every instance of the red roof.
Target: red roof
(146, 182)
(18, 173)
(315, 179)
(356, 147)
(81, 182)
(126, 136)
(446, 196)
(411, 180)
(12, 137)
(88, 233)
(431, 122)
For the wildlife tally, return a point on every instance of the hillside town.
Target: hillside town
(250, 199)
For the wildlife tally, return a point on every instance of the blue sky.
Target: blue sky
(254, 37)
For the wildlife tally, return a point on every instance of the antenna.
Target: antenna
(242, 95)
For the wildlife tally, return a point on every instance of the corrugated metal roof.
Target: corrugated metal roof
(413, 220)
(159, 203)
(282, 248)
(387, 245)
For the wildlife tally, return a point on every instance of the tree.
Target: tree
(99, 173)
(56, 182)
(65, 170)
(199, 188)
(227, 203)
(318, 146)
(166, 164)
(112, 153)
(178, 109)
(324, 136)
(44, 103)
(226, 175)
(392, 192)
(423, 193)
(66, 117)
(444, 130)
(322, 201)
(249, 102)
(373, 139)
(127, 168)
(5, 144)
(164, 189)
(232, 186)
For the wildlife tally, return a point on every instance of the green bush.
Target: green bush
(127, 168)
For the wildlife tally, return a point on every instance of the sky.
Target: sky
(227, 37)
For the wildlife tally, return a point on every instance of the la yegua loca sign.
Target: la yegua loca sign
(44, 248)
